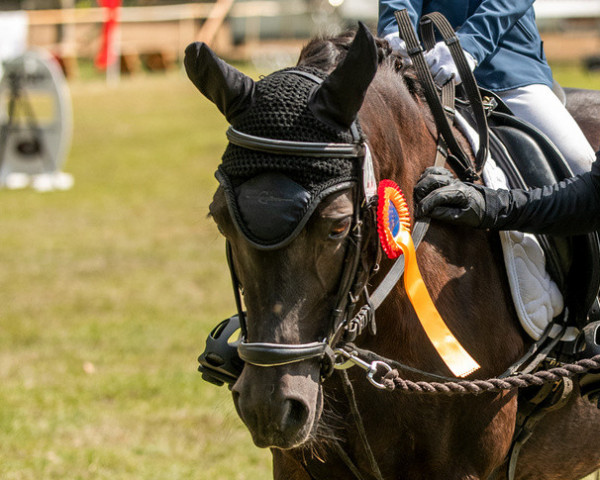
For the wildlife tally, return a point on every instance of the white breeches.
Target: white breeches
(538, 105)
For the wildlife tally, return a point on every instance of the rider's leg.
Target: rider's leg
(538, 105)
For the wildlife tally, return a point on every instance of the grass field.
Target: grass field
(107, 293)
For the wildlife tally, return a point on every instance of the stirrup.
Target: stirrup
(587, 344)
(220, 362)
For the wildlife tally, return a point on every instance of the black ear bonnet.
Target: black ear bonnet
(272, 195)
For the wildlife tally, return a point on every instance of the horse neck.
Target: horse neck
(399, 130)
(462, 268)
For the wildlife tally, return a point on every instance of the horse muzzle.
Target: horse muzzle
(276, 387)
(279, 405)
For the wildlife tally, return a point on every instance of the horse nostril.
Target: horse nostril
(236, 402)
(295, 415)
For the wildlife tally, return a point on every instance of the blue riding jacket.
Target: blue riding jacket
(500, 34)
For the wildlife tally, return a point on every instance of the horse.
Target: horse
(290, 246)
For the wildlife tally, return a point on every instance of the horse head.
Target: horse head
(288, 207)
(298, 220)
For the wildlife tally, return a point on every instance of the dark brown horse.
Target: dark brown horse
(291, 287)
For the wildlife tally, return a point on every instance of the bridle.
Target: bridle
(353, 277)
(343, 327)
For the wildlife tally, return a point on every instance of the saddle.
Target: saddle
(529, 160)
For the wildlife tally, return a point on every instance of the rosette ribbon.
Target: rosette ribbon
(393, 226)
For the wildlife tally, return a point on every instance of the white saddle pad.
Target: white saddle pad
(536, 296)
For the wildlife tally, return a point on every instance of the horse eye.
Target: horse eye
(340, 229)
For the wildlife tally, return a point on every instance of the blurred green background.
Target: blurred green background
(108, 291)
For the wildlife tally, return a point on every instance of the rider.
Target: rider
(503, 46)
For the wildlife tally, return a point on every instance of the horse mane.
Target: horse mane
(325, 52)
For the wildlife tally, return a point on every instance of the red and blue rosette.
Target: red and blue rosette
(392, 216)
(393, 226)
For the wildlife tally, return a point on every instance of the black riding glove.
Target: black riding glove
(442, 197)
(571, 207)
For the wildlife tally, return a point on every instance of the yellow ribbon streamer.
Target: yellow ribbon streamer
(449, 348)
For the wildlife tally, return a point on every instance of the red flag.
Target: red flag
(106, 55)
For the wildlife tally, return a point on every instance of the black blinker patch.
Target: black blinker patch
(271, 205)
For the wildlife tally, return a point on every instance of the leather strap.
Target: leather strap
(297, 148)
(469, 84)
(461, 161)
(236, 289)
(550, 397)
(273, 354)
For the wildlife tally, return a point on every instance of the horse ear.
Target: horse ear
(228, 88)
(341, 95)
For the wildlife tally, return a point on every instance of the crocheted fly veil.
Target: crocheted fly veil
(272, 195)
(286, 131)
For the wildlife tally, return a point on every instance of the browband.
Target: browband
(291, 147)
